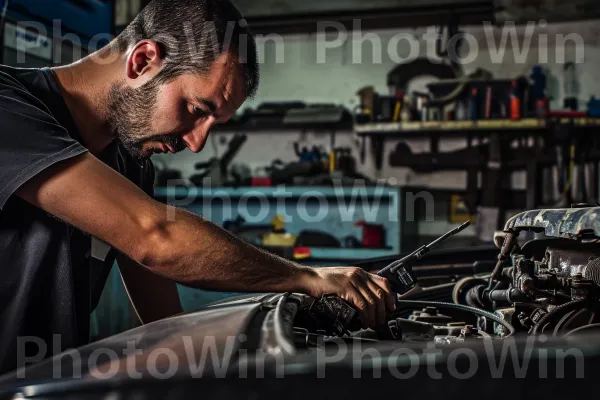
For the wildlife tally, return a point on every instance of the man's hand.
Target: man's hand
(369, 293)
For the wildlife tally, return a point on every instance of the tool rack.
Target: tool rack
(535, 140)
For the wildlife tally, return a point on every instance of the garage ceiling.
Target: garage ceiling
(293, 16)
(301, 16)
(550, 10)
(273, 8)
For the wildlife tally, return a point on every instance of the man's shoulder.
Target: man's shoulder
(8, 73)
(16, 93)
(18, 79)
(32, 137)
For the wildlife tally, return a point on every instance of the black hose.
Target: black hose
(439, 304)
(582, 328)
(573, 317)
(564, 321)
(558, 310)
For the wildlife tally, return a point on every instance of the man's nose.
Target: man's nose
(194, 140)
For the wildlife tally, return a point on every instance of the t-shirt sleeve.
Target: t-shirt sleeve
(31, 140)
(148, 178)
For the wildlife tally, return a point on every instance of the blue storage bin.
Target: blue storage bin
(84, 17)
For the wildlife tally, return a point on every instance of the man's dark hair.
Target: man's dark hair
(192, 34)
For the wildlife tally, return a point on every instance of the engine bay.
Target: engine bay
(546, 285)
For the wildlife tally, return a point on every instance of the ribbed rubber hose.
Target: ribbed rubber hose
(560, 309)
(480, 312)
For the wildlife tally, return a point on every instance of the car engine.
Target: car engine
(545, 285)
(549, 285)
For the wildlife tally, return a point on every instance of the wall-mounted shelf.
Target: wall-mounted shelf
(401, 130)
(434, 130)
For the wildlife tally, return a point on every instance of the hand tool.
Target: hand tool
(340, 317)
(398, 106)
(488, 102)
(399, 273)
(332, 155)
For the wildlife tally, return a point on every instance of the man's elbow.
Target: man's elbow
(155, 245)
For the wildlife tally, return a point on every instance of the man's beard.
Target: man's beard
(129, 118)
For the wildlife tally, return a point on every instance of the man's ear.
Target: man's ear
(145, 60)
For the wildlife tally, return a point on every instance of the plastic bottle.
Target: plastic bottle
(474, 103)
(538, 89)
(515, 102)
(570, 87)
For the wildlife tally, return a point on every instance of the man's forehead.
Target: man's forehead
(220, 96)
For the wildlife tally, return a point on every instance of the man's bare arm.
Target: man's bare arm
(152, 296)
(184, 247)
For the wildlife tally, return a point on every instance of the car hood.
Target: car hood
(201, 342)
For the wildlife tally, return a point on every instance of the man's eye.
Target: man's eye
(198, 111)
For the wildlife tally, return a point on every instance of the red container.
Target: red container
(373, 235)
(261, 182)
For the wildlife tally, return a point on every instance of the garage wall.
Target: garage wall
(292, 70)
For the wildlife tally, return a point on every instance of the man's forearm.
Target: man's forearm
(198, 253)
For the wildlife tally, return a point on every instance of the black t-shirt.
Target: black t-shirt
(49, 283)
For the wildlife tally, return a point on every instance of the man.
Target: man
(75, 172)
